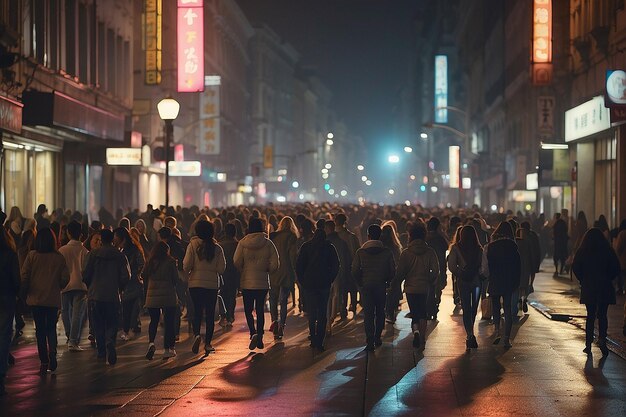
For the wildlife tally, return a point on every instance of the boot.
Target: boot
(417, 342)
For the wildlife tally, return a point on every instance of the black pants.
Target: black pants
(229, 295)
(106, 322)
(317, 300)
(508, 317)
(203, 300)
(418, 306)
(596, 311)
(7, 312)
(470, 299)
(46, 331)
(254, 300)
(169, 319)
(374, 312)
(130, 314)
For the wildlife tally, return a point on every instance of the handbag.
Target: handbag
(486, 309)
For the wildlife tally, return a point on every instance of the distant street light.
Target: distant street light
(295, 184)
(391, 191)
(424, 135)
(330, 135)
(363, 178)
(393, 159)
(328, 166)
(360, 167)
(168, 111)
(408, 149)
(329, 142)
(368, 182)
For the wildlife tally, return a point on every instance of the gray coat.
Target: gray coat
(106, 274)
(161, 285)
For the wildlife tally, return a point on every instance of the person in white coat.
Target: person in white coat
(204, 263)
(256, 258)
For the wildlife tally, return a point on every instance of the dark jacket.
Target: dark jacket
(418, 268)
(535, 243)
(134, 288)
(161, 285)
(527, 263)
(178, 249)
(373, 265)
(439, 243)
(596, 272)
(10, 281)
(106, 274)
(345, 259)
(317, 264)
(560, 237)
(287, 246)
(502, 265)
(231, 274)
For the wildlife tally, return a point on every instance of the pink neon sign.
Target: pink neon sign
(190, 31)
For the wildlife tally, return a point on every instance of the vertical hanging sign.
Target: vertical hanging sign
(190, 34)
(152, 40)
(542, 42)
(209, 140)
(441, 89)
(454, 158)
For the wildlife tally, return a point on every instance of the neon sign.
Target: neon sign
(190, 32)
(542, 31)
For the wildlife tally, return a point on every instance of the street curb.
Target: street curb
(568, 318)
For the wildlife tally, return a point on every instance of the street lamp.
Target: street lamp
(393, 159)
(424, 135)
(168, 111)
(360, 167)
(408, 149)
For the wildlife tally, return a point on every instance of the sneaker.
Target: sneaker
(273, 327)
(125, 337)
(525, 307)
(281, 331)
(209, 349)
(53, 362)
(230, 323)
(474, 342)
(253, 342)
(92, 340)
(74, 348)
(468, 344)
(169, 353)
(112, 356)
(196, 344)
(151, 350)
(497, 338)
(259, 343)
(43, 368)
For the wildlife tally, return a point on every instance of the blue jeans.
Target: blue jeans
(279, 297)
(74, 306)
(46, 331)
(470, 298)
(7, 313)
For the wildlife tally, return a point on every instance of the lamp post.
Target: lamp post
(168, 111)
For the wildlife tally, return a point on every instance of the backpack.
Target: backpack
(470, 271)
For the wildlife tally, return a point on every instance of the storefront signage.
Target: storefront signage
(453, 158)
(10, 115)
(532, 181)
(209, 139)
(268, 157)
(185, 168)
(153, 10)
(545, 116)
(542, 42)
(124, 156)
(136, 139)
(615, 95)
(441, 89)
(190, 35)
(588, 118)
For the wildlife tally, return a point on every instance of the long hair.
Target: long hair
(205, 231)
(456, 236)
(593, 243)
(389, 237)
(14, 215)
(160, 253)
(468, 244)
(504, 230)
(287, 223)
(46, 241)
(129, 241)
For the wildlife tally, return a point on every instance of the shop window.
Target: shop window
(15, 179)
(606, 179)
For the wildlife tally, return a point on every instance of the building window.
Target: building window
(38, 11)
(110, 59)
(70, 37)
(102, 70)
(83, 44)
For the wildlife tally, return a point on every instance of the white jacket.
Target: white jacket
(256, 258)
(201, 273)
(75, 255)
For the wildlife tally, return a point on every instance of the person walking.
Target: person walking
(619, 244)
(437, 240)
(464, 261)
(203, 264)
(106, 275)
(527, 265)
(74, 295)
(160, 279)
(44, 274)
(389, 237)
(316, 268)
(596, 265)
(344, 274)
(256, 258)
(419, 268)
(134, 290)
(559, 237)
(282, 281)
(535, 250)
(373, 268)
(230, 276)
(349, 287)
(9, 289)
(501, 264)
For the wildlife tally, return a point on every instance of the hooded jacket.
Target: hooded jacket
(345, 259)
(256, 258)
(287, 246)
(106, 274)
(318, 264)
(161, 285)
(418, 268)
(373, 265)
(200, 272)
(43, 277)
(134, 289)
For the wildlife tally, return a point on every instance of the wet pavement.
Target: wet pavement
(544, 374)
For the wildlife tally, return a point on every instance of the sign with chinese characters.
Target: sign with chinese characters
(209, 139)
(268, 157)
(588, 118)
(124, 156)
(190, 35)
(542, 42)
(152, 25)
(441, 89)
(185, 168)
(545, 116)
(454, 158)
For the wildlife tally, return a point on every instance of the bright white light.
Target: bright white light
(408, 149)
(412, 177)
(282, 172)
(301, 196)
(368, 182)
(434, 189)
(344, 193)
(280, 178)
(494, 207)
(552, 146)
(361, 199)
(336, 195)
(407, 203)
(363, 178)
(325, 175)
(330, 135)
(528, 207)
(329, 142)
(295, 184)
(360, 167)
(281, 199)
(328, 166)
(391, 191)
(424, 135)
(324, 170)
(331, 191)
(393, 159)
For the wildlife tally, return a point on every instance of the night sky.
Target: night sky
(360, 48)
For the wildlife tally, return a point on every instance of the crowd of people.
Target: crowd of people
(329, 259)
